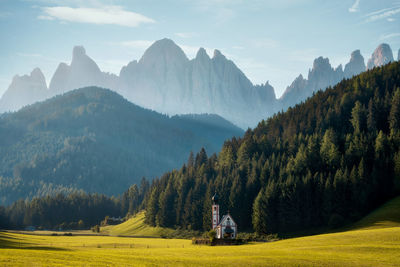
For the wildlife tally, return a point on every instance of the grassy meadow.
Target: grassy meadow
(374, 241)
(135, 227)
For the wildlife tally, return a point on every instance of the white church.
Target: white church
(226, 228)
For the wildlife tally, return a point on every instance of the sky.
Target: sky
(269, 40)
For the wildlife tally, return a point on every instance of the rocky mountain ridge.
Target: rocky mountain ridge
(166, 81)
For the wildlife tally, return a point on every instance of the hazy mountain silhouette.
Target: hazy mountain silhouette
(166, 81)
(94, 139)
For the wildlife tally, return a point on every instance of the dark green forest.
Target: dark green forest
(76, 210)
(94, 140)
(323, 163)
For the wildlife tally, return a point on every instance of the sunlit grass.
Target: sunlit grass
(374, 247)
(136, 227)
(388, 215)
(373, 242)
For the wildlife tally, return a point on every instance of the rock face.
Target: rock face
(82, 72)
(166, 81)
(321, 76)
(381, 56)
(355, 66)
(24, 90)
(157, 80)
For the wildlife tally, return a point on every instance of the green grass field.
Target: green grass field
(386, 216)
(375, 241)
(137, 228)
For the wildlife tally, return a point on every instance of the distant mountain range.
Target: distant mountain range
(95, 140)
(166, 81)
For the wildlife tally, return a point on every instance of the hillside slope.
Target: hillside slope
(388, 215)
(323, 163)
(385, 216)
(136, 227)
(94, 139)
(166, 81)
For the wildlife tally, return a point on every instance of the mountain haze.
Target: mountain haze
(95, 140)
(324, 75)
(82, 72)
(24, 90)
(166, 81)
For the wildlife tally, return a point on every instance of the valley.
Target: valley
(363, 245)
(200, 133)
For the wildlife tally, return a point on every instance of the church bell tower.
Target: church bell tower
(215, 211)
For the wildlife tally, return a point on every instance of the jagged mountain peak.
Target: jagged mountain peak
(355, 54)
(83, 71)
(38, 76)
(356, 64)
(382, 55)
(296, 87)
(78, 52)
(202, 54)
(24, 90)
(35, 76)
(218, 54)
(164, 49)
(37, 72)
(81, 61)
(321, 63)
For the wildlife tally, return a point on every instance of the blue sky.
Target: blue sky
(269, 40)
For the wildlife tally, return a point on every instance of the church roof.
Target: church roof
(225, 217)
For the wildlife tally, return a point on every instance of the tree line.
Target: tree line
(325, 162)
(77, 210)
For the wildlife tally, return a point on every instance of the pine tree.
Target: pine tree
(359, 118)
(329, 151)
(394, 116)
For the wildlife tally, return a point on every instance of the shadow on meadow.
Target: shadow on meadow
(7, 241)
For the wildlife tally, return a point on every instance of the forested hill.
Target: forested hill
(93, 139)
(324, 162)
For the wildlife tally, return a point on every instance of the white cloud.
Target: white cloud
(385, 13)
(391, 19)
(114, 15)
(389, 36)
(355, 7)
